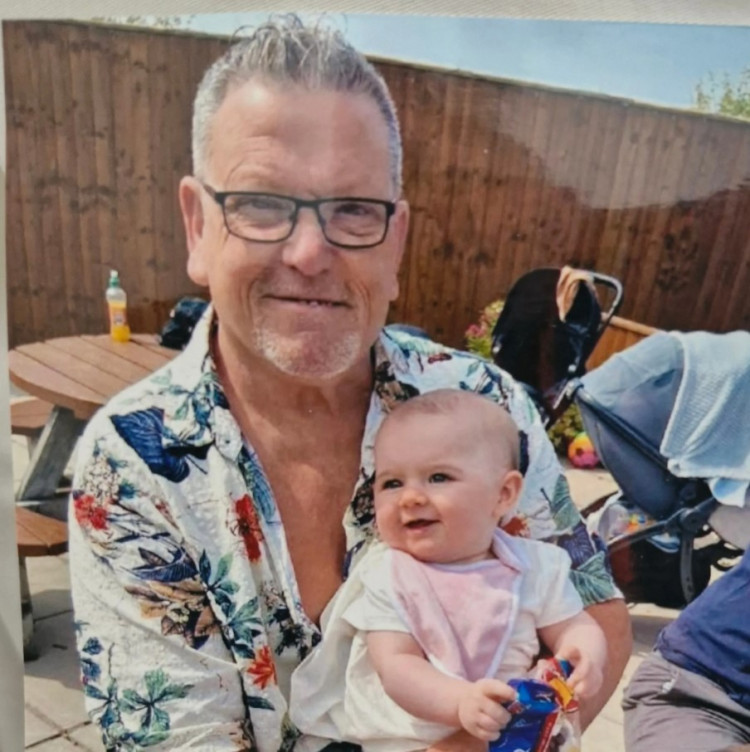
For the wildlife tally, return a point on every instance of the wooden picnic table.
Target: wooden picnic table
(77, 375)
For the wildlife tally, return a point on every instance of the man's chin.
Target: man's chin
(310, 358)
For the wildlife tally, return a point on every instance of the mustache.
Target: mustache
(303, 290)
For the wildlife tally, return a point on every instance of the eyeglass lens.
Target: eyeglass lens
(271, 218)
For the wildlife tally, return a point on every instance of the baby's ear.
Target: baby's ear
(510, 490)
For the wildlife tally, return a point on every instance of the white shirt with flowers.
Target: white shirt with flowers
(188, 617)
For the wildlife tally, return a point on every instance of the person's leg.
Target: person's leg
(669, 708)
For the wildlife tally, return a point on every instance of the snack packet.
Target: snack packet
(545, 713)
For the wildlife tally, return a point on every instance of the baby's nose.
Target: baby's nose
(412, 496)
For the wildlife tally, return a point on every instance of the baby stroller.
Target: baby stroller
(653, 525)
(548, 327)
(670, 419)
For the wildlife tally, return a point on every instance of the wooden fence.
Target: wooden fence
(501, 178)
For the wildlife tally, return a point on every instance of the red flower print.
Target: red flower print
(438, 357)
(248, 527)
(89, 511)
(517, 526)
(262, 669)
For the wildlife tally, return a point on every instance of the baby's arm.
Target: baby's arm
(420, 689)
(581, 641)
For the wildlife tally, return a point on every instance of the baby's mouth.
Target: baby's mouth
(418, 524)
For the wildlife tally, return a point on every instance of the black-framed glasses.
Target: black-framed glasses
(346, 222)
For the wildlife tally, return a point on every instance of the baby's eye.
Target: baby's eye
(439, 478)
(390, 483)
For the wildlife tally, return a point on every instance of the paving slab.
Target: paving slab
(59, 744)
(88, 737)
(603, 735)
(36, 729)
(49, 582)
(51, 684)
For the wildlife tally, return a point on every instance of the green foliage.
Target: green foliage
(725, 96)
(565, 429)
(479, 336)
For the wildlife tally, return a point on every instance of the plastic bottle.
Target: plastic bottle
(117, 303)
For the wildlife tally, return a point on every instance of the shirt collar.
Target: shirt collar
(196, 411)
(508, 551)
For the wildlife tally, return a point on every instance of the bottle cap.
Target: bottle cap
(114, 278)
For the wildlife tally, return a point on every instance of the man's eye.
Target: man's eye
(439, 478)
(262, 203)
(353, 208)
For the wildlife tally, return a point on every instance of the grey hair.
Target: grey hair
(284, 50)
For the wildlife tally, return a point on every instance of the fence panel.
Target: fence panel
(501, 177)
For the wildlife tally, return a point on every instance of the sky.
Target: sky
(654, 63)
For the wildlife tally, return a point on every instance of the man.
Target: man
(693, 691)
(209, 499)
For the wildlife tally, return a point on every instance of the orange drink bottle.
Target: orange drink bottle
(117, 303)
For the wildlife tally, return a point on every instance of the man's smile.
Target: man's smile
(311, 301)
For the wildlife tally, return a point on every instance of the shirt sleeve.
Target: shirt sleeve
(557, 597)
(154, 668)
(375, 611)
(546, 510)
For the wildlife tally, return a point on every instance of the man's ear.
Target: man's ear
(510, 490)
(400, 230)
(194, 221)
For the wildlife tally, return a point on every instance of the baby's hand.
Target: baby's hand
(480, 711)
(588, 675)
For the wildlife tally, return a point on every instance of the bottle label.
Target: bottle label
(118, 318)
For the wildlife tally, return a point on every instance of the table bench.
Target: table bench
(36, 535)
(28, 416)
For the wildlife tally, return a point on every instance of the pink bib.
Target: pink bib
(461, 616)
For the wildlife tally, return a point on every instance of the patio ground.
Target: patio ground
(54, 715)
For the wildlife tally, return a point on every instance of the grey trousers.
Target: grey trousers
(669, 708)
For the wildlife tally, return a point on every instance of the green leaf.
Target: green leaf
(222, 568)
(228, 587)
(131, 701)
(247, 613)
(175, 692)
(156, 681)
(148, 738)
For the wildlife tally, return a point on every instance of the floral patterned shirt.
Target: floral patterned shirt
(184, 593)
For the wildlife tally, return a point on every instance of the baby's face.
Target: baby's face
(439, 492)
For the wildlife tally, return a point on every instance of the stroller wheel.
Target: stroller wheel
(647, 574)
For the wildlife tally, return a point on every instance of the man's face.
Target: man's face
(439, 488)
(307, 307)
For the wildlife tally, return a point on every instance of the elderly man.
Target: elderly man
(218, 504)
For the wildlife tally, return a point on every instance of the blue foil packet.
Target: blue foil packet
(534, 713)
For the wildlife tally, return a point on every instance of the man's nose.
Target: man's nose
(307, 249)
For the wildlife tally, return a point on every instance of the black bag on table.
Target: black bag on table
(182, 320)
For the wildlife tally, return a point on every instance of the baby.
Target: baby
(434, 621)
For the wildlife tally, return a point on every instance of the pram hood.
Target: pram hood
(689, 395)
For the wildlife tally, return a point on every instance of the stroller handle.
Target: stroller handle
(613, 284)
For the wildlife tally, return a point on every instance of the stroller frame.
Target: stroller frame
(689, 521)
